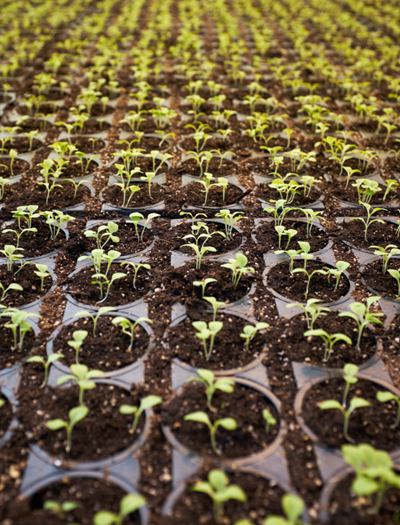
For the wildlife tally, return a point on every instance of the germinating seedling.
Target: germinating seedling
(384, 397)
(41, 271)
(201, 417)
(374, 474)
(329, 341)
(238, 268)
(356, 402)
(203, 283)
(396, 275)
(269, 420)
(12, 286)
(205, 332)
(293, 508)
(341, 267)
(19, 325)
(46, 364)
(128, 504)
(309, 276)
(94, 318)
(230, 221)
(75, 415)
(129, 328)
(136, 268)
(55, 219)
(10, 253)
(219, 491)
(207, 378)
(386, 254)
(104, 234)
(60, 508)
(312, 311)
(249, 332)
(215, 305)
(369, 220)
(145, 403)
(136, 217)
(362, 316)
(82, 376)
(103, 280)
(78, 337)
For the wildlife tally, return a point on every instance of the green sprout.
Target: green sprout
(128, 504)
(46, 364)
(384, 397)
(205, 332)
(201, 417)
(356, 402)
(75, 415)
(60, 508)
(129, 328)
(94, 318)
(269, 420)
(249, 332)
(238, 268)
(329, 341)
(207, 378)
(82, 376)
(136, 268)
(311, 310)
(203, 283)
(78, 337)
(362, 316)
(104, 234)
(145, 403)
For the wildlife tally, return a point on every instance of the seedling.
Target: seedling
(362, 316)
(206, 332)
(128, 327)
(149, 176)
(136, 268)
(201, 417)
(249, 332)
(385, 254)
(103, 238)
(136, 217)
(46, 364)
(145, 403)
(309, 276)
(238, 268)
(60, 508)
(75, 415)
(26, 212)
(104, 281)
(207, 378)
(20, 233)
(350, 372)
(94, 318)
(396, 275)
(12, 286)
(311, 216)
(215, 305)
(374, 474)
(329, 340)
(293, 508)
(82, 376)
(311, 310)
(206, 182)
(391, 185)
(219, 491)
(203, 283)
(269, 420)
(341, 266)
(13, 153)
(369, 220)
(356, 402)
(41, 271)
(55, 219)
(230, 220)
(128, 504)
(19, 325)
(78, 337)
(384, 397)
(10, 253)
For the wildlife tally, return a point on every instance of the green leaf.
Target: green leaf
(56, 424)
(228, 422)
(232, 492)
(200, 417)
(105, 518)
(330, 403)
(130, 503)
(203, 486)
(218, 479)
(77, 414)
(358, 402)
(363, 486)
(293, 506)
(207, 375)
(150, 401)
(128, 409)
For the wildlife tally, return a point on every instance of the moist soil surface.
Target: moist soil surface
(367, 424)
(268, 238)
(351, 195)
(195, 196)
(18, 167)
(108, 350)
(6, 415)
(228, 350)
(8, 356)
(288, 336)
(293, 286)
(22, 145)
(264, 498)
(179, 283)
(34, 244)
(128, 242)
(244, 404)
(146, 143)
(345, 508)
(121, 291)
(29, 281)
(88, 146)
(221, 244)
(382, 283)
(92, 495)
(227, 168)
(100, 435)
(378, 234)
(266, 194)
(113, 194)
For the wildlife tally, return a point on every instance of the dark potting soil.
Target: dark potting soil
(34, 244)
(98, 110)
(100, 435)
(189, 144)
(18, 167)
(94, 126)
(267, 236)
(293, 286)
(145, 164)
(113, 194)
(351, 195)
(195, 195)
(367, 425)
(265, 193)
(146, 143)
(88, 146)
(378, 234)
(287, 337)
(345, 507)
(29, 281)
(22, 145)
(128, 241)
(6, 415)
(9, 357)
(179, 282)
(92, 495)
(73, 170)
(244, 404)
(221, 244)
(227, 168)
(263, 498)
(382, 283)
(228, 349)
(108, 350)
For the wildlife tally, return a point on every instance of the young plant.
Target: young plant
(311, 310)
(385, 254)
(269, 420)
(145, 403)
(94, 318)
(249, 332)
(104, 234)
(309, 276)
(329, 340)
(104, 281)
(41, 271)
(128, 504)
(311, 216)
(206, 182)
(362, 316)
(369, 220)
(46, 364)
(396, 275)
(82, 376)
(12, 286)
(219, 491)
(55, 219)
(60, 508)
(78, 337)
(341, 266)
(19, 234)
(136, 217)
(238, 268)
(201, 417)
(356, 402)
(214, 304)
(129, 328)
(384, 397)
(230, 220)
(203, 283)
(149, 176)
(19, 325)
(136, 268)
(10, 253)
(75, 415)
(293, 508)
(207, 378)
(205, 332)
